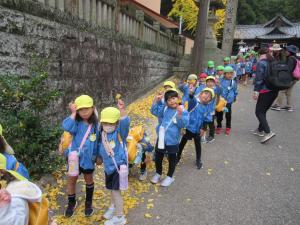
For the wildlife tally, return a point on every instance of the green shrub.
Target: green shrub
(24, 101)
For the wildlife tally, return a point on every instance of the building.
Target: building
(278, 30)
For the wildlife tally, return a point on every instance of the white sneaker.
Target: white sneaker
(155, 179)
(109, 213)
(143, 176)
(167, 181)
(267, 137)
(116, 220)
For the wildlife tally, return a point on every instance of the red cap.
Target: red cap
(202, 75)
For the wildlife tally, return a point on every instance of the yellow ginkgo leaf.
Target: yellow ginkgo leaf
(148, 215)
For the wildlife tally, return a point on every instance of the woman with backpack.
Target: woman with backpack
(291, 61)
(264, 96)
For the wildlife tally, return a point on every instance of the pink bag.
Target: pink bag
(73, 157)
(296, 72)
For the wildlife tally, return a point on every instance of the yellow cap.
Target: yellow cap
(192, 77)
(209, 90)
(2, 162)
(210, 78)
(1, 130)
(170, 83)
(84, 101)
(110, 115)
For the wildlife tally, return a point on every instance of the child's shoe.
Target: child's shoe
(210, 139)
(218, 130)
(167, 181)
(70, 209)
(199, 164)
(203, 139)
(227, 131)
(116, 220)
(88, 211)
(143, 176)
(155, 179)
(108, 215)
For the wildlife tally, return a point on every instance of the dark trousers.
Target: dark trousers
(210, 126)
(143, 164)
(159, 156)
(189, 136)
(219, 116)
(264, 102)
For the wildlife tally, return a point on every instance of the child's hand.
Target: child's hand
(255, 95)
(202, 132)
(72, 107)
(192, 89)
(5, 197)
(159, 97)
(179, 110)
(147, 159)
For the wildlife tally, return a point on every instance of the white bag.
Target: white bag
(161, 137)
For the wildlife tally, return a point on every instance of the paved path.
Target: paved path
(242, 183)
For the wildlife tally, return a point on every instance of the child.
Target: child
(229, 93)
(21, 202)
(185, 87)
(112, 149)
(10, 161)
(199, 111)
(147, 150)
(220, 71)
(248, 69)
(211, 83)
(174, 119)
(239, 68)
(210, 70)
(82, 124)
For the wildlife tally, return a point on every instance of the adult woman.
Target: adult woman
(264, 96)
(290, 52)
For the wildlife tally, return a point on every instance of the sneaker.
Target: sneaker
(227, 131)
(218, 130)
(116, 220)
(155, 179)
(109, 213)
(203, 139)
(288, 108)
(199, 164)
(258, 133)
(275, 107)
(167, 181)
(210, 139)
(267, 137)
(70, 209)
(88, 211)
(143, 176)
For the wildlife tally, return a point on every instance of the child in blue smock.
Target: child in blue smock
(7, 158)
(199, 111)
(175, 117)
(83, 120)
(229, 93)
(239, 67)
(112, 149)
(210, 70)
(185, 87)
(248, 69)
(211, 83)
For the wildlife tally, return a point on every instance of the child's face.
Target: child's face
(226, 63)
(173, 102)
(228, 76)
(210, 84)
(109, 127)
(205, 97)
(202, 80)
(85, 113)
(220, 72)
(167, 87)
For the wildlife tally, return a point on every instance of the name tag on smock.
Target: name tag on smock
(112, 144)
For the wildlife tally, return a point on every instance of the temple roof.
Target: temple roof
(277, 28)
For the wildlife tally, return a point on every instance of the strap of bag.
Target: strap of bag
(231, 84)
(85, 136)
(193, 109)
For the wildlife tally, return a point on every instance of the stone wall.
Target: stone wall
(80, 60)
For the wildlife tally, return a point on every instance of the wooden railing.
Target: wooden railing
(105, 13)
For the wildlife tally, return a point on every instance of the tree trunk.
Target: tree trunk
(199, 44)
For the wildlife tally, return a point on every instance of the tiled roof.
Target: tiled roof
(264, 31)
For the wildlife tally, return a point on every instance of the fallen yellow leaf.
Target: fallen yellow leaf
(148, 215)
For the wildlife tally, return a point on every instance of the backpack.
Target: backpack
(278, 76)
(296, 72)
